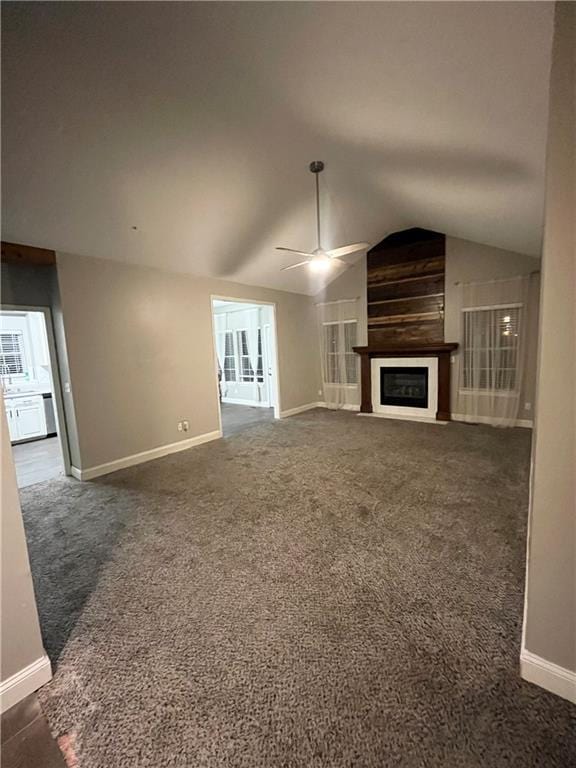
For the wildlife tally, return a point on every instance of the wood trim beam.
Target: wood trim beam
(14, 253)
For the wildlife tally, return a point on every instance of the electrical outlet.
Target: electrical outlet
(180, 426)
(319, 391)
(185, 426)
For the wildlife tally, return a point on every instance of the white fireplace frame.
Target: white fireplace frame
(399, 411)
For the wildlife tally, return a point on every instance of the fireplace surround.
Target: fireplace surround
(407, 362)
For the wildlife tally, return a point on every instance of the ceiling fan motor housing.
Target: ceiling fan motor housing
(316, 166)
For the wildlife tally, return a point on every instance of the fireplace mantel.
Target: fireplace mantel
(441, 351)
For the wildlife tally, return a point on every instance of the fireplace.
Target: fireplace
(411, 382)
(405, 386)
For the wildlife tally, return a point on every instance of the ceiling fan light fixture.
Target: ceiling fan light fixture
(320, 263)
(320, 260)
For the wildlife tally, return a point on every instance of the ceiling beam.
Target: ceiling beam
(14, 253)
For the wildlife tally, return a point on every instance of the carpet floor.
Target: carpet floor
(324, 591)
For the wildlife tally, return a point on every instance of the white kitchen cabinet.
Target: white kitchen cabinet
(12, 425)
(26, 418)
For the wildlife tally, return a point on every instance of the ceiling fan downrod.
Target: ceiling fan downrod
(316, 166)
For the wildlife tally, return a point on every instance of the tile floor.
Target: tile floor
(237, 418)
(37, 461)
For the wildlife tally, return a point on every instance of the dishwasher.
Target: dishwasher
(50, 415)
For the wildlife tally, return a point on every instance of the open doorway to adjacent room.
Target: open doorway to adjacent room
(32, 399)
(246, 360)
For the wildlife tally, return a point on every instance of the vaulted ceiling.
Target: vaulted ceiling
(178, 135)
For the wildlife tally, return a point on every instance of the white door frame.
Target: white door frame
(267, 345)
(58, 401)
(273, 335)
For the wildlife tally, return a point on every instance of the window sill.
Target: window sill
(488, 392)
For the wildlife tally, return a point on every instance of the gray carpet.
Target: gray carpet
(328, 590)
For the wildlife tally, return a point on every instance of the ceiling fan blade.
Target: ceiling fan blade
(298, 253)
(293, 266)
(334, 253)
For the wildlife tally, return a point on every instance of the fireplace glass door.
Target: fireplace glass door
(406, 387)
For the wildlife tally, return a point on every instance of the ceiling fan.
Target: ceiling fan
(320, 260)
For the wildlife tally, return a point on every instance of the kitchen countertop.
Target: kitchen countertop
(32, 393)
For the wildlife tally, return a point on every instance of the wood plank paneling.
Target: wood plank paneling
(408, 306)
(430, 285)
(390, 272)
(422, 331)
(405, 295)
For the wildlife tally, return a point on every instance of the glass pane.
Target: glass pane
(331, 338)
(490, 350)
(349, 336)
(260, 366)
(352, 368)
(332, 372)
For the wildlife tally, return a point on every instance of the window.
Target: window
(12, 359)
(341, 362)
(260, 365)
(229, 357)
(491, 348)
(246, 370)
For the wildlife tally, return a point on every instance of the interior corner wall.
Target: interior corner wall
(142, 358)
(21, 641)
(550, 607)
(467, 261)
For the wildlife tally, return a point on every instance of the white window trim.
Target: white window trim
(488, 393)
(488, 307)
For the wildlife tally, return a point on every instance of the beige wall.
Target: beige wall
(550, 618)
(473, 262)
(20, 635)
(141, 353)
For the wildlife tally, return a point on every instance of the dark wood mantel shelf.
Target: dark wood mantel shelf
(441, 351)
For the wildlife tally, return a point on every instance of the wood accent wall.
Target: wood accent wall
(406, 289)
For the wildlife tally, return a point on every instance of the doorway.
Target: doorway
(32, 398)
(246, 363)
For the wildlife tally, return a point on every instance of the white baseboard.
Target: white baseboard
(140, 458)
(547, 675)
(528, 423)
(300, 409)
(25, 682)
(344, 407)
(251, 403)
(319, 404)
